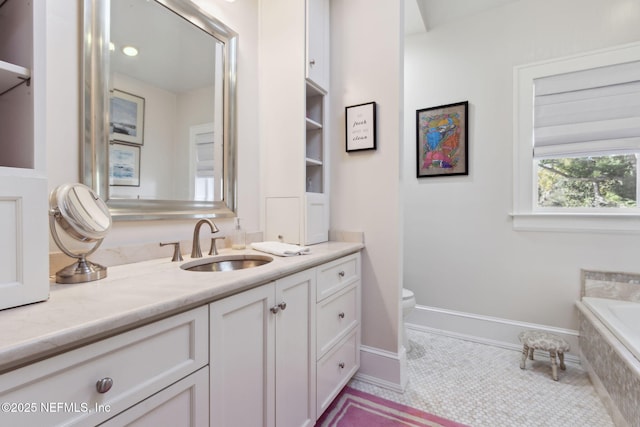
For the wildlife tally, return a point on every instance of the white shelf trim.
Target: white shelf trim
(313, 162)
(11, 74)
(312, 124)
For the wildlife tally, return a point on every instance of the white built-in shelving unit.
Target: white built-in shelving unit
(296, 185)
(24, 260)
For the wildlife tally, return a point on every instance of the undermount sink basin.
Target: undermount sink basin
(227, 263)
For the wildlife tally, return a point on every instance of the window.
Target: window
(577, 142)
(206, 163)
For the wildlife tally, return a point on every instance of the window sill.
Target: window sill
(577, 222)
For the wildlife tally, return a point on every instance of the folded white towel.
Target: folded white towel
(280, 249)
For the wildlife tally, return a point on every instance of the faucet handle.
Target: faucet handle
(177, 256)
(214, 250)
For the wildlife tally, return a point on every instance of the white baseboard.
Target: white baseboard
(383, 368)
(485, 329)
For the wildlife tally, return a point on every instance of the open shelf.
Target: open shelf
(313, 125)
(313, 162)
(12, 75)
(315, 136)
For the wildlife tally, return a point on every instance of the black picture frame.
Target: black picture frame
(442, 144)
(360, 127)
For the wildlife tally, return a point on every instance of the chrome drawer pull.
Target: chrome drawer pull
(104, 385)
(341, 365)
(341, 315)
(341, 273)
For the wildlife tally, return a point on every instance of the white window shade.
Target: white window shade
(588, 112)
(204, 155)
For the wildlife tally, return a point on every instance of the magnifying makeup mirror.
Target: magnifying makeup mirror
(84, 216)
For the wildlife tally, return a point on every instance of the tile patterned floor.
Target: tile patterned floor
(481, 385)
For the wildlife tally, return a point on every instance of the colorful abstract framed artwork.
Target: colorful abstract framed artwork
(441, 140)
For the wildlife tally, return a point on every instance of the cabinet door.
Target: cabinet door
(317, 219)
(295, 350)
(242, 359)
(24, 261)
(318, 42)
(283, 219)
(185, 403)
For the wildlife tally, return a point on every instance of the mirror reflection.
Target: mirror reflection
(165, 106)
(167, 144)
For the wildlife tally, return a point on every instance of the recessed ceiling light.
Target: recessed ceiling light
(129, 50)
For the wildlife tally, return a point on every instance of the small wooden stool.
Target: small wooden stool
(538, 340)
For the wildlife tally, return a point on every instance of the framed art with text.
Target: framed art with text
(441, 140)
(361, 127)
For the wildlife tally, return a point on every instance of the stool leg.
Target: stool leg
(525, 352)
(531, 353)
(562, 365)
(554, 366)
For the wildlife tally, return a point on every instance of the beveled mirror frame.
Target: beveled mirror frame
(94, 148)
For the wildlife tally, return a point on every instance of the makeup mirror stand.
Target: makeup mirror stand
(85, 217)
(81, 271)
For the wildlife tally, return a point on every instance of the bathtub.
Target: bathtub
(610, 352)
(622, 318)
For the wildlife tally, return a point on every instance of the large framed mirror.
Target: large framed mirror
(159, 109)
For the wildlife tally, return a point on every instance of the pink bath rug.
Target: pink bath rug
(355, 408)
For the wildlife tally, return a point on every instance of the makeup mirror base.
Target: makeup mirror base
(81, 271)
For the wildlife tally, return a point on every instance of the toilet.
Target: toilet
(408, 304)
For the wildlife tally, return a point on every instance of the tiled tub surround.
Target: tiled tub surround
(613, 368)
(132, 295)
(622, 286)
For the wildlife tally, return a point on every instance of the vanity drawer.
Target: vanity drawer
(185, 403)
(335, 369)
(141, 362)
(337, 274)
(336, 315)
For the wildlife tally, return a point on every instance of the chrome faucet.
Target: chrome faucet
(196, 252)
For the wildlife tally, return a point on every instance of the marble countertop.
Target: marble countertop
(132, 295)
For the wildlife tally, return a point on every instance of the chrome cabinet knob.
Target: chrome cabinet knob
(282, 305)
(275, 309)
(341, 365)
(341, 315)
(104, 385)
(312, 62)
(341, 273)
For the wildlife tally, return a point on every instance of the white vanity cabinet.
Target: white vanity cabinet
(338, 334)
(133, 377)
(262, 355)
(294, 126)
(24, 260)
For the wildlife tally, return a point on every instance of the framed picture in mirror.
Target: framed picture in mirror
(126, 120)
(124, 165)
